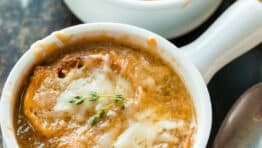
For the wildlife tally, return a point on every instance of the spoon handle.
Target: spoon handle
(242, 127)
(238, 30)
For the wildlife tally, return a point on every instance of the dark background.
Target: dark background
(24, 21)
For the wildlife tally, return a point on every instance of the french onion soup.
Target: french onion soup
(105, 94)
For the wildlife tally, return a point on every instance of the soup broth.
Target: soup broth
(105, 94)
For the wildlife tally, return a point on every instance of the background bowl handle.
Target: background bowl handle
(238, 30)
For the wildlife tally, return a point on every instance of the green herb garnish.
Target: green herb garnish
(93, 96)
(118, 98)
(94, 119)
(77, 100)
(101, 113)
(123, 106)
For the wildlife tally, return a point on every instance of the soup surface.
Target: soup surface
(103, 94)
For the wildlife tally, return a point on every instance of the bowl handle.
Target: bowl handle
(238, 30)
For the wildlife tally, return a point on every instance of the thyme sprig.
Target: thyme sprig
(77, 100)
(118, 98)
(94, 119)
(93, 96)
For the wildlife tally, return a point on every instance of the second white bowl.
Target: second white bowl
(169, 18)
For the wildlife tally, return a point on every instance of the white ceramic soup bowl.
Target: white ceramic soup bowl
(236, 31)
(169, 18)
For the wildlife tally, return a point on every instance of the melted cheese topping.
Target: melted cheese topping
(158, 111)
(98, 81)
(145, 134)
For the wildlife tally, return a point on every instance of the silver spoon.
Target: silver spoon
(242, 127)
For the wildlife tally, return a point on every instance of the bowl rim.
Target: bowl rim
(187, 71)
(150, 4)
